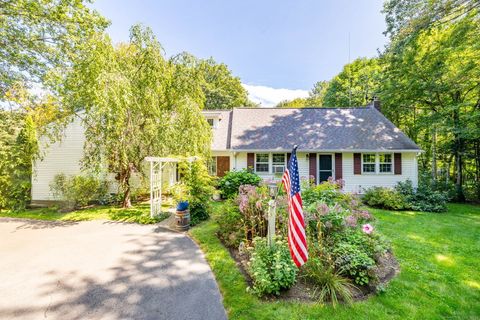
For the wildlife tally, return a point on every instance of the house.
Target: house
(359, 145)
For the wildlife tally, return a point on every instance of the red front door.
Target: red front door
(223, 165)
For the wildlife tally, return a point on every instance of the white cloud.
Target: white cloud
(269, 97)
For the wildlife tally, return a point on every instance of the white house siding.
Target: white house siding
(60, 157)
(359, 182)
(64, 156)
(240, 162)
(353, 182)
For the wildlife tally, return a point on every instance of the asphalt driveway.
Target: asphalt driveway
(102, 270)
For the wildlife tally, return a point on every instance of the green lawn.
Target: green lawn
(139, 213)
(439, 256)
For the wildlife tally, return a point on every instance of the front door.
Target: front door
(325, 167)
(223, 165)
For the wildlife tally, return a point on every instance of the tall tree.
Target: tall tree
(38, 36)
(221, 88)
(432, 85)
(355, 85)
(135, 103)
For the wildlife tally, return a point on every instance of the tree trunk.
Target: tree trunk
(434, 154)
(125, 181)
(458, 151)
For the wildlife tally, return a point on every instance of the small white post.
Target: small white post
(151, 189)
(271, 221)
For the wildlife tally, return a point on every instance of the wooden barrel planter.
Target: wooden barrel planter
(182, 220)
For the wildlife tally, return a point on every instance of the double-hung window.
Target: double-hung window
(278, 163)
(262, 162)
(385, 162)
(368, 163)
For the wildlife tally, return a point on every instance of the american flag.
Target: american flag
(296, 223)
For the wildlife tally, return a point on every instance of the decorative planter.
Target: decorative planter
(182, 220)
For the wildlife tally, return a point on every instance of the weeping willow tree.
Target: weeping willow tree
(134, 103)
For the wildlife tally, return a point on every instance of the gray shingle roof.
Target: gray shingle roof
(362, 128)
(221, 134)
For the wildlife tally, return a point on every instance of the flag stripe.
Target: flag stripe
(296, 223)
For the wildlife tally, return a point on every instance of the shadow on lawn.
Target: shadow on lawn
(161, 276)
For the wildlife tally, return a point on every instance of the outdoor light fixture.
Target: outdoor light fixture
(273, 189)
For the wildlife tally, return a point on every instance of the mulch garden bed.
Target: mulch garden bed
(303, 291)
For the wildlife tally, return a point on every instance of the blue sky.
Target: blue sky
(279, 49)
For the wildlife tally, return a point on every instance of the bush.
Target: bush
(196, 187)
(253, 204)
(231, 225)
(230, 183)
(353, 261)
(327, 192)
(385, 198)
(425, 198)
(78, 191)
(341, 239)
(271, 267)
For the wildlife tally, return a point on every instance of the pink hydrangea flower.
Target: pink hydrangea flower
(351, 221)
(367, 228)
(323, 209)
(365, 214)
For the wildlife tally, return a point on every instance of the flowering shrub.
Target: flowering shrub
(271, 267)
(230, 183)
(253, 204)
(337, 223)
(231, 225)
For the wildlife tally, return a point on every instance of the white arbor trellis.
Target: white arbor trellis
(157, 166)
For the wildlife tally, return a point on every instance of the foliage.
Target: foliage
(386, 198)
(428, 81)
(78, 190)
(231, 229)
(355, 85)
(253, 203)
(327, 191)
(315, 97)
(424, 198)
(271, 267)
(196, 187)
(18, 147)
(40, 36)
(222, 90)
(329, 284)
(231, 182)
(341, 235)
(448, 280)
(136, 103)
(404, 197)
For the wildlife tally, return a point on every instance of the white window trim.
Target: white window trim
(278, 164)
(270, 162)
(392, 169)
(377, 163)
